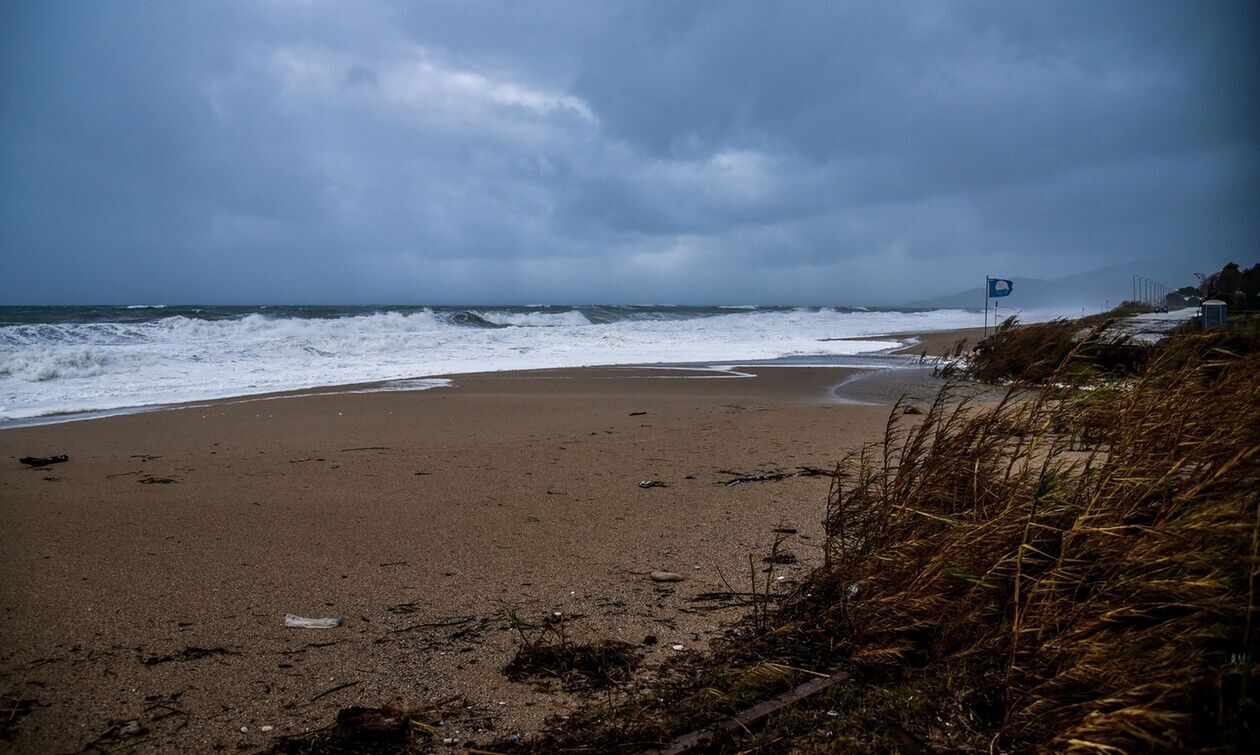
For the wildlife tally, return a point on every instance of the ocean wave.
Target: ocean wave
(570, 318)
(175, 356)
(43, 364)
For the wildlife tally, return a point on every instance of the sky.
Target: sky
(285, 151)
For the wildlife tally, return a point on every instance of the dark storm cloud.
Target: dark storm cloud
(698, 152)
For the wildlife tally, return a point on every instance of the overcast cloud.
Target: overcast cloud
(510, 152)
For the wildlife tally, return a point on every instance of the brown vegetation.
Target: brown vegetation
(1033, 353)
(1062, 571)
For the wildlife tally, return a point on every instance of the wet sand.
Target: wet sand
(147, 579)
(936, 344)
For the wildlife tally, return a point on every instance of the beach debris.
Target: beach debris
(332, 690)
(13, 710)
(387, 729)
(637, 414)
(577, 665)
(780, 557)
(189, 653)
(739, 479)
(745, 720)
(677, 648)
(116, 731)
(666, 576)
(151, 480)
(784, 530)
(303, 623)
(43, 461)
(451, 621)
(266, 728)
(653, 484)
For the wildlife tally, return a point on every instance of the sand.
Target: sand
(147, 578)
(936, 344)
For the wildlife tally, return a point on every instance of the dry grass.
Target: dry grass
(1060, 571)
(1033, 353)
(1103, 597)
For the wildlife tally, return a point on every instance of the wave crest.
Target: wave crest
(41, 365)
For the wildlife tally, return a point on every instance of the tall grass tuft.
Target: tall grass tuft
(1100, 599)
(1035, 352)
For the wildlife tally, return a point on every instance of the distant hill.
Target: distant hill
(1094, 289)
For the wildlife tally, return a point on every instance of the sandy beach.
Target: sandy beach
(147, 579)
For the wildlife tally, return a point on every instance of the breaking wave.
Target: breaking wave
(97, 358)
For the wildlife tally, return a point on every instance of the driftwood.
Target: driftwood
(190, 653)
(738, 479)
(744, 720)
(453, 621)
(43, 461)
(331, 690)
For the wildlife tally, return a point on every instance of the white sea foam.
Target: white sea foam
(535, 319)
(58, 367)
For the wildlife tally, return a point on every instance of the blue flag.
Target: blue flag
(1000, 287)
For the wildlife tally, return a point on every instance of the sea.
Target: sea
(70, 362)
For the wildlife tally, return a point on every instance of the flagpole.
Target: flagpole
(986, 306)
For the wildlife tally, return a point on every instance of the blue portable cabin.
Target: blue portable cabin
(1212, 314)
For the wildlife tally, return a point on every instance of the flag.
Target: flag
(1000, 287)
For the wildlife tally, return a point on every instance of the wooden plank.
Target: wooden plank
(747, 718)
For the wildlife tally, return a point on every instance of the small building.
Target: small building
(1212, 314)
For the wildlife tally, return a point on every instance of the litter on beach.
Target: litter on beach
(43, 461)
(303, 623)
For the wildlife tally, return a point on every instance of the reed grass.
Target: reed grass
(1059, 570)
(1035, 352)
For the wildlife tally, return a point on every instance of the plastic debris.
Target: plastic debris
(303, 623)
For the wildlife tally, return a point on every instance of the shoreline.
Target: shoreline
(931, 341)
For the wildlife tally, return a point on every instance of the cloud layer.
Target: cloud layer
(858, 153)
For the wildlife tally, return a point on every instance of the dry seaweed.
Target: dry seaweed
(576, 665)
(546, 653)
(385, 731)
